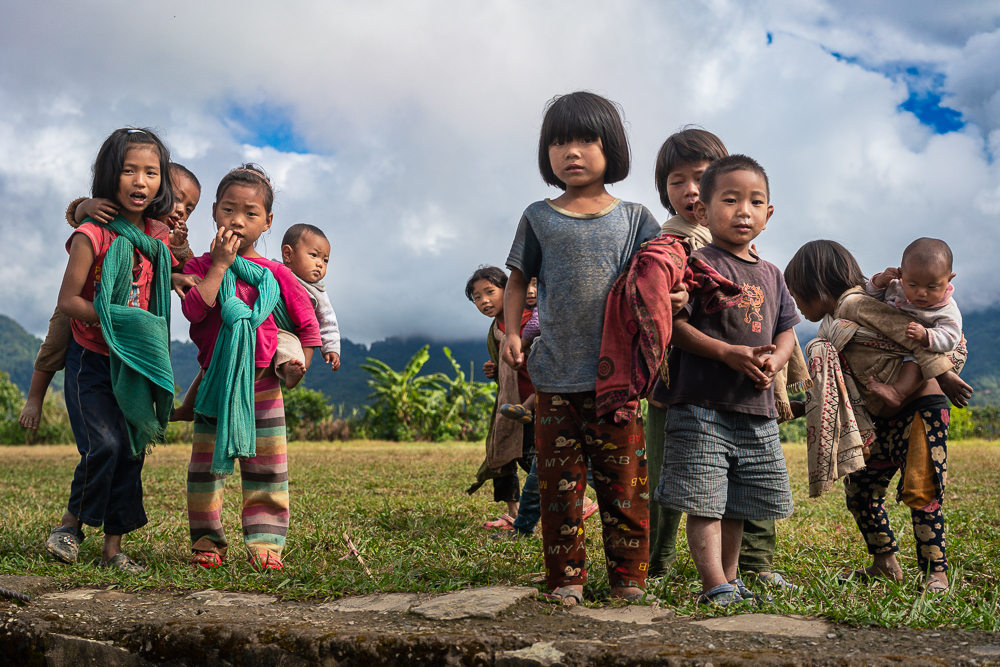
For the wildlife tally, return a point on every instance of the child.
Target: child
(509, 442)
(722, 460)
(238, 409)
(116, 294)
(682, 160)
(51, 357)
(921, 287)
(827, 284)
(525, 411)
(577, 245)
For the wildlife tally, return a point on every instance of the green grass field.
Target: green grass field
(405, 507)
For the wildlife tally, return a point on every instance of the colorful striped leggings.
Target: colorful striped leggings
(264, 478)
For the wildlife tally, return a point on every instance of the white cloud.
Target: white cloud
(422, 121)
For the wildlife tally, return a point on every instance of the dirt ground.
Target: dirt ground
(205, 629)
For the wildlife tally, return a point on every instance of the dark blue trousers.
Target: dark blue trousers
(107, 484)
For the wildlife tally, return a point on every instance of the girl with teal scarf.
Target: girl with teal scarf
(119, 385)
(239, 413)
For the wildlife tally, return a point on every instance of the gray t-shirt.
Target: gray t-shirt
(577, 259)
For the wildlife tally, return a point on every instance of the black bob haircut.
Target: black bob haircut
(822, 269)
(176, 167)
(111, 160)
(584, 115)
(295, 232)
(252, 175)
(727, 165)
(690, 144)
(493, 274)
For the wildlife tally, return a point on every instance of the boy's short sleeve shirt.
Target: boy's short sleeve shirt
(577, 259)
(765, 310)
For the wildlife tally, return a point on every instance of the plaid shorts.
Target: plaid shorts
(723, 465)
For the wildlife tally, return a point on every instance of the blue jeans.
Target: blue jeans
(107, 484)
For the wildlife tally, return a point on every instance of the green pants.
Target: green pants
(759, 537)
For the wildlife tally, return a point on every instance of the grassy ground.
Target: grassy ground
(404, 506)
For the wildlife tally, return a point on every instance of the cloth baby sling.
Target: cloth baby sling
(226, 393)
(138, 340)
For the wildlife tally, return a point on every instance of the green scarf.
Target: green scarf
(227, 391)
(138, 340)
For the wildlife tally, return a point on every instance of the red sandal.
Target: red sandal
(265, 561)
(505, 522)
(206, 559)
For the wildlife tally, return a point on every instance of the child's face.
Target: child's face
(578, 162)
(139, 181)
(241, 209)
(738, 211)
(925, 285)
(531, 299)
(814, 310)
(488, 298)
(309, 258)
(683, 187)
(186, 198)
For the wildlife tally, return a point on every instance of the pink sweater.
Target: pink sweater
(207, 320)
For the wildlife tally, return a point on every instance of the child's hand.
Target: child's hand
(750, 361)
(179, 234)
(511, 352)
(224, 247)
(490, 370)
(333, 359)
(101, 210)
(883, 279)
(916, 331)
(678, 299)
(769, 370)
(182, 282)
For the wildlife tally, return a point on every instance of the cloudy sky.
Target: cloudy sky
(408, 130)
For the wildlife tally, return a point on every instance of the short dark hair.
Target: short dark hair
(583, 115)
(184, 171)
(690, 144)
(822, 269)
(493, 274)
(727, 165)
(929, 251)
(252, 175)
(111, 160)
(295, 232)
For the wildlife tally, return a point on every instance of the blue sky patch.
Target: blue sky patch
(926, 87)
(265, 125)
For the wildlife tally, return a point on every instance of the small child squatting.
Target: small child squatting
(920, 286)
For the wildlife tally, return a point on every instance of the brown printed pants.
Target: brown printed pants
(567, 434)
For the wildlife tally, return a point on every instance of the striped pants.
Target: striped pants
(264, 478)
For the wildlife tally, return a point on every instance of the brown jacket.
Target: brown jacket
(867, 361)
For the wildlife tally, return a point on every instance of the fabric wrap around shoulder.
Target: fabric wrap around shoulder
(227, 391)
(138, 340)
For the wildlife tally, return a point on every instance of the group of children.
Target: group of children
(709, 447)
(253, 320)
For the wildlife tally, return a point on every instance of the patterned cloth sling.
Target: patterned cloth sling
(138, 340)
(227, 391)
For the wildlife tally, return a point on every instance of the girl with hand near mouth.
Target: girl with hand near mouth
(239, 412)
(119, 383)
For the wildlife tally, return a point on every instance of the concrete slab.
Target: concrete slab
(638, 614)
(541, 654)
(992, 651)
(223, 599)
(768, 624)
(473, 603)
(67, 651)
(75, 594)
(378, 603)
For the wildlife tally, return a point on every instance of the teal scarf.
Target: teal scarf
(138, 340)
(226, 392)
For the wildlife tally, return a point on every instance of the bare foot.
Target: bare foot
(882, 567)
(112, 547)
(937, 582)
(622, 592)
(31, 414)
(886, 392)
(184, 413)
(293, 370)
